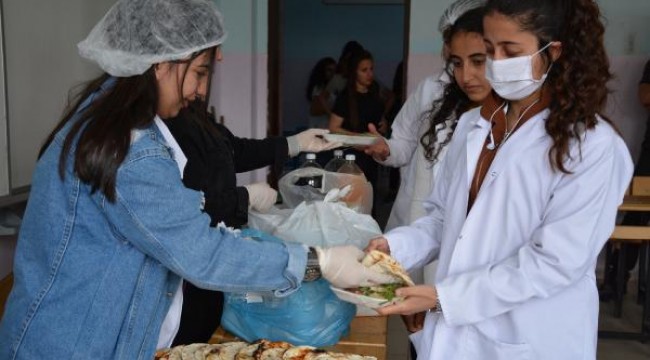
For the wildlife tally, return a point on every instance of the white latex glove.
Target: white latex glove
(261, 196)
(341, 266)
(309, 141)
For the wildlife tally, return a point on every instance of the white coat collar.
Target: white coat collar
(527, 135)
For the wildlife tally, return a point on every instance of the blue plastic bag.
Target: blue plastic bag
(312, 315)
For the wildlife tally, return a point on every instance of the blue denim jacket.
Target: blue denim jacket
(94, 279)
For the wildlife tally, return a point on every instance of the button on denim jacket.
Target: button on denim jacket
(94, 279)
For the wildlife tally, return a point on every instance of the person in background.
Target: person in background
(524, 199)
(214, 157)
(424, 126)
(319, 99)
(398, 93)
(633, 218)
(359, 105)
(339, 81)
(109, 230)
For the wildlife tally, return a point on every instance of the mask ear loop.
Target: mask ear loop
(492, 145)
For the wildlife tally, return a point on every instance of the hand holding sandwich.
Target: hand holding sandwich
(417, 299)
(342, 267)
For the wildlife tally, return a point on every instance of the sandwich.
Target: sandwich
(384, 264)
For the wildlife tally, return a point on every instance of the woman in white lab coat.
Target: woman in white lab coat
(424, 125)
(423, 128)
(525, 198)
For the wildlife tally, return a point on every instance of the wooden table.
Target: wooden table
(635, 203)
(631, 234)
(367, 337)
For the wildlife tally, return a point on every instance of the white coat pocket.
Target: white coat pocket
(480, 346)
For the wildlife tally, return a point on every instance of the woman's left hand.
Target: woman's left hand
(379, 150)
(383, 126)
(417, 299)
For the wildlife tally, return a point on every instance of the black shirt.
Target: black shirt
(370, 109)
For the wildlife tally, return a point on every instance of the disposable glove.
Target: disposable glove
(261, 196)
(341, 266)
(309, 141)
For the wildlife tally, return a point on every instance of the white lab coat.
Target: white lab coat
(406, 153)
(516, 276)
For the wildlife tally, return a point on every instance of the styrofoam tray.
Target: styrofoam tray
(351, 139)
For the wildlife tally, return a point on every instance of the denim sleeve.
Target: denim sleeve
(155, 213)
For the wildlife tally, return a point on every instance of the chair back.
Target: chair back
(640, 186)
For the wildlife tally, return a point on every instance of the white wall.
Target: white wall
(42, 65)
(239, 85)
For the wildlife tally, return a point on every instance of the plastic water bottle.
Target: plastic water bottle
(336, 162)
(350, 167)
(313, 181)
(311, 161)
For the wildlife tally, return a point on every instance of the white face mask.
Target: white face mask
(513, 78)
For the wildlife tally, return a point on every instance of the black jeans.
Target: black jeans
(201, 315)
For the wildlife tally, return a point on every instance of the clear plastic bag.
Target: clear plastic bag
(312, 315)
(359, 198)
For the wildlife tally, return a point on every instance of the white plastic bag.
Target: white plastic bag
(317, 223)
(321, 218)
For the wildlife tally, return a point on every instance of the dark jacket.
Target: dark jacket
(214, 156)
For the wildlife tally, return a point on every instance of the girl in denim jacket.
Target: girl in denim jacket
(109, 229)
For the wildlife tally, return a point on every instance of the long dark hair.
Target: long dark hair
(101, 133)
(454, 101)
(318, 75)
(578, 79)
(351, 87)
(349, 49)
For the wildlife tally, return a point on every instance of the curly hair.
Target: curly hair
(454, 101)
(578, 79)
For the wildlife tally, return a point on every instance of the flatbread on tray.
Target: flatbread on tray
(224, 351)
(259, 350)
(298, 352)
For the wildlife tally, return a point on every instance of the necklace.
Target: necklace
(506, 133)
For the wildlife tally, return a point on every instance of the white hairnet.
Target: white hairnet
(136, 34)
(456, 10)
